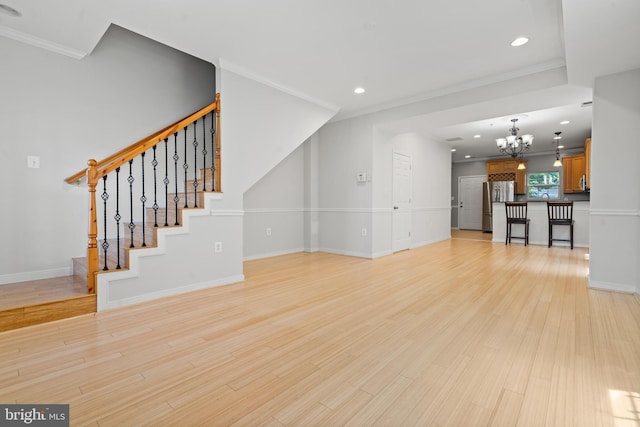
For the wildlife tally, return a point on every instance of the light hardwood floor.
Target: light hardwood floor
(463, 332)
(40, 291)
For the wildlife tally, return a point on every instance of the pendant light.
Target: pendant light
(557, 139)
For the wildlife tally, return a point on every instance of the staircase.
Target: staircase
(111, 240)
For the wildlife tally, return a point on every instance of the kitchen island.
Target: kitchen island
(539, 228)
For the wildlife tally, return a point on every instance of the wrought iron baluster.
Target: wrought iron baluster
(155, 188)
(176, 198)
(213, 151)
(117, 217)
(195, 164)
(166, 183)
(105, 243)
(185, 166)
(143, 199)
(204, 152)
(130, 180)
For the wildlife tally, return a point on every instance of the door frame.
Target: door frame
(394, 248)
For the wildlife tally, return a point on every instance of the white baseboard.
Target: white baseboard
(272, 254)
(541, 243)
(35, 275)
(381, 254)
(428, 242)
(616, 287)
(346, 253)
(104, 304)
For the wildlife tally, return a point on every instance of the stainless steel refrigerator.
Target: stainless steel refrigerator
(500, 191)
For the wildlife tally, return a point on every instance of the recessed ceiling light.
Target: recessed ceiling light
(476, 136)
(565, 122)
(359, 90)
(467, 156)
(557, 136)
(453, 150)
(560, 146)
(519, 41)
(8, 10)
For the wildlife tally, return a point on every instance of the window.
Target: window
(543, 185)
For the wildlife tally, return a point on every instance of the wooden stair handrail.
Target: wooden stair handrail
(96, 170)
(116, 160)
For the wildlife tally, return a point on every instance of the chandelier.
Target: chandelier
(514, 145)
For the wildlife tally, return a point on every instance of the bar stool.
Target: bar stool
(560, 213)
(517, 214)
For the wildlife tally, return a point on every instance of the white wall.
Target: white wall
(430, 211)
(261, 126)
(311, 194)
(67, 111)
(345, 148)
(615, 193)
(184, 259)
(356, 218)
(276, 202)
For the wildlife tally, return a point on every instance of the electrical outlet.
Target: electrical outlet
(364, 232)
(268, 231)
(218, 247)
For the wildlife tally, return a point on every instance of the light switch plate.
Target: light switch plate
(33, 162)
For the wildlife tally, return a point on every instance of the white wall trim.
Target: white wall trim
(617, 287)
(428, 242)
(104, 278)
(246, 73)
(431, 209)
(272, 254)
(41, 43)
(379, 210)
(216, 212)
(614, 212)
(542, 243)
(276, 210)
(104, 304)
(347, 253)
(469, 85)
(35, 275)
(351, 210)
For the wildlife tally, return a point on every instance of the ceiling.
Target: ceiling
(400, 52)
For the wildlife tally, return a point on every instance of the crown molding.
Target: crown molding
(41, 43)
(244, 72)
(553, 64)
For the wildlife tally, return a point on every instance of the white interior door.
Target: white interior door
(402, 182)
(470, 202)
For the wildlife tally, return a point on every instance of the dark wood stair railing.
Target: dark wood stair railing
(97, 171)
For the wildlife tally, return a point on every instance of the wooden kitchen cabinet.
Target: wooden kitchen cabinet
(573, 169)
(508, 171)
(587, 162)
(500, 166)
(521, 180)
(494, 167)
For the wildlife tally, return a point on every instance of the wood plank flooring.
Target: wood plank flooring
(41, 301)
(463, 332)
(22, 294)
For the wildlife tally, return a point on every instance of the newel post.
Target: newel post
(218, 174)
(92, 248)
